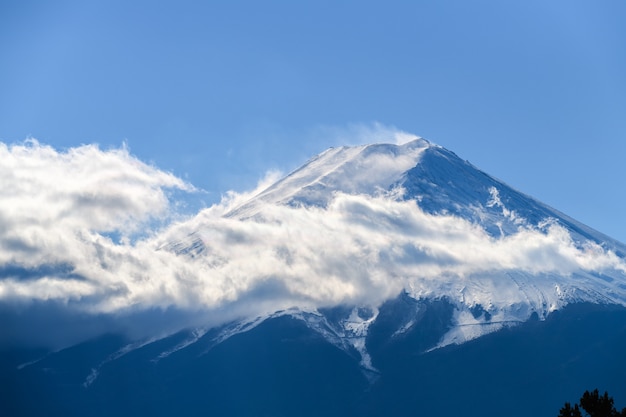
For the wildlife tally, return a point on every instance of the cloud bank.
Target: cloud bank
(59, 211)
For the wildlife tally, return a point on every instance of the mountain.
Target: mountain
(443, 184)
(499, 302)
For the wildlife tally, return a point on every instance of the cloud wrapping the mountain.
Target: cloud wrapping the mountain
(59, 209)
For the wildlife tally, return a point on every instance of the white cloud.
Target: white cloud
(56, 209)
(363, 134)
(82, 188)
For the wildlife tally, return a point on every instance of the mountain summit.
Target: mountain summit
(436, 178)
(366, 169)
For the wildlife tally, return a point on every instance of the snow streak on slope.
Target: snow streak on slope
(354, 226)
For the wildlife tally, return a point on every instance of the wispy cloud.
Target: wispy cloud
(362, 134)
(58, 209)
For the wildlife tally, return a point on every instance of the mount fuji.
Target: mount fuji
(402, 281)
(440, 183)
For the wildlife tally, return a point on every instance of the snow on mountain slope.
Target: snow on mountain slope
(443, 183)
(525, 258)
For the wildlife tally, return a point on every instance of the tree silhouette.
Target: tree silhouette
(594, 405)
(568, 411)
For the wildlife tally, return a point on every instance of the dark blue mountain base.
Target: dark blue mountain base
(541, 362)
(283, 368)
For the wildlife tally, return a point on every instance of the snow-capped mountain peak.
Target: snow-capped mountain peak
(443, 230)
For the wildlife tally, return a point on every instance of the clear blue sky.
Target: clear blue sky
(532, 92)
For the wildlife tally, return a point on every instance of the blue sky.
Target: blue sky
(218, 93)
